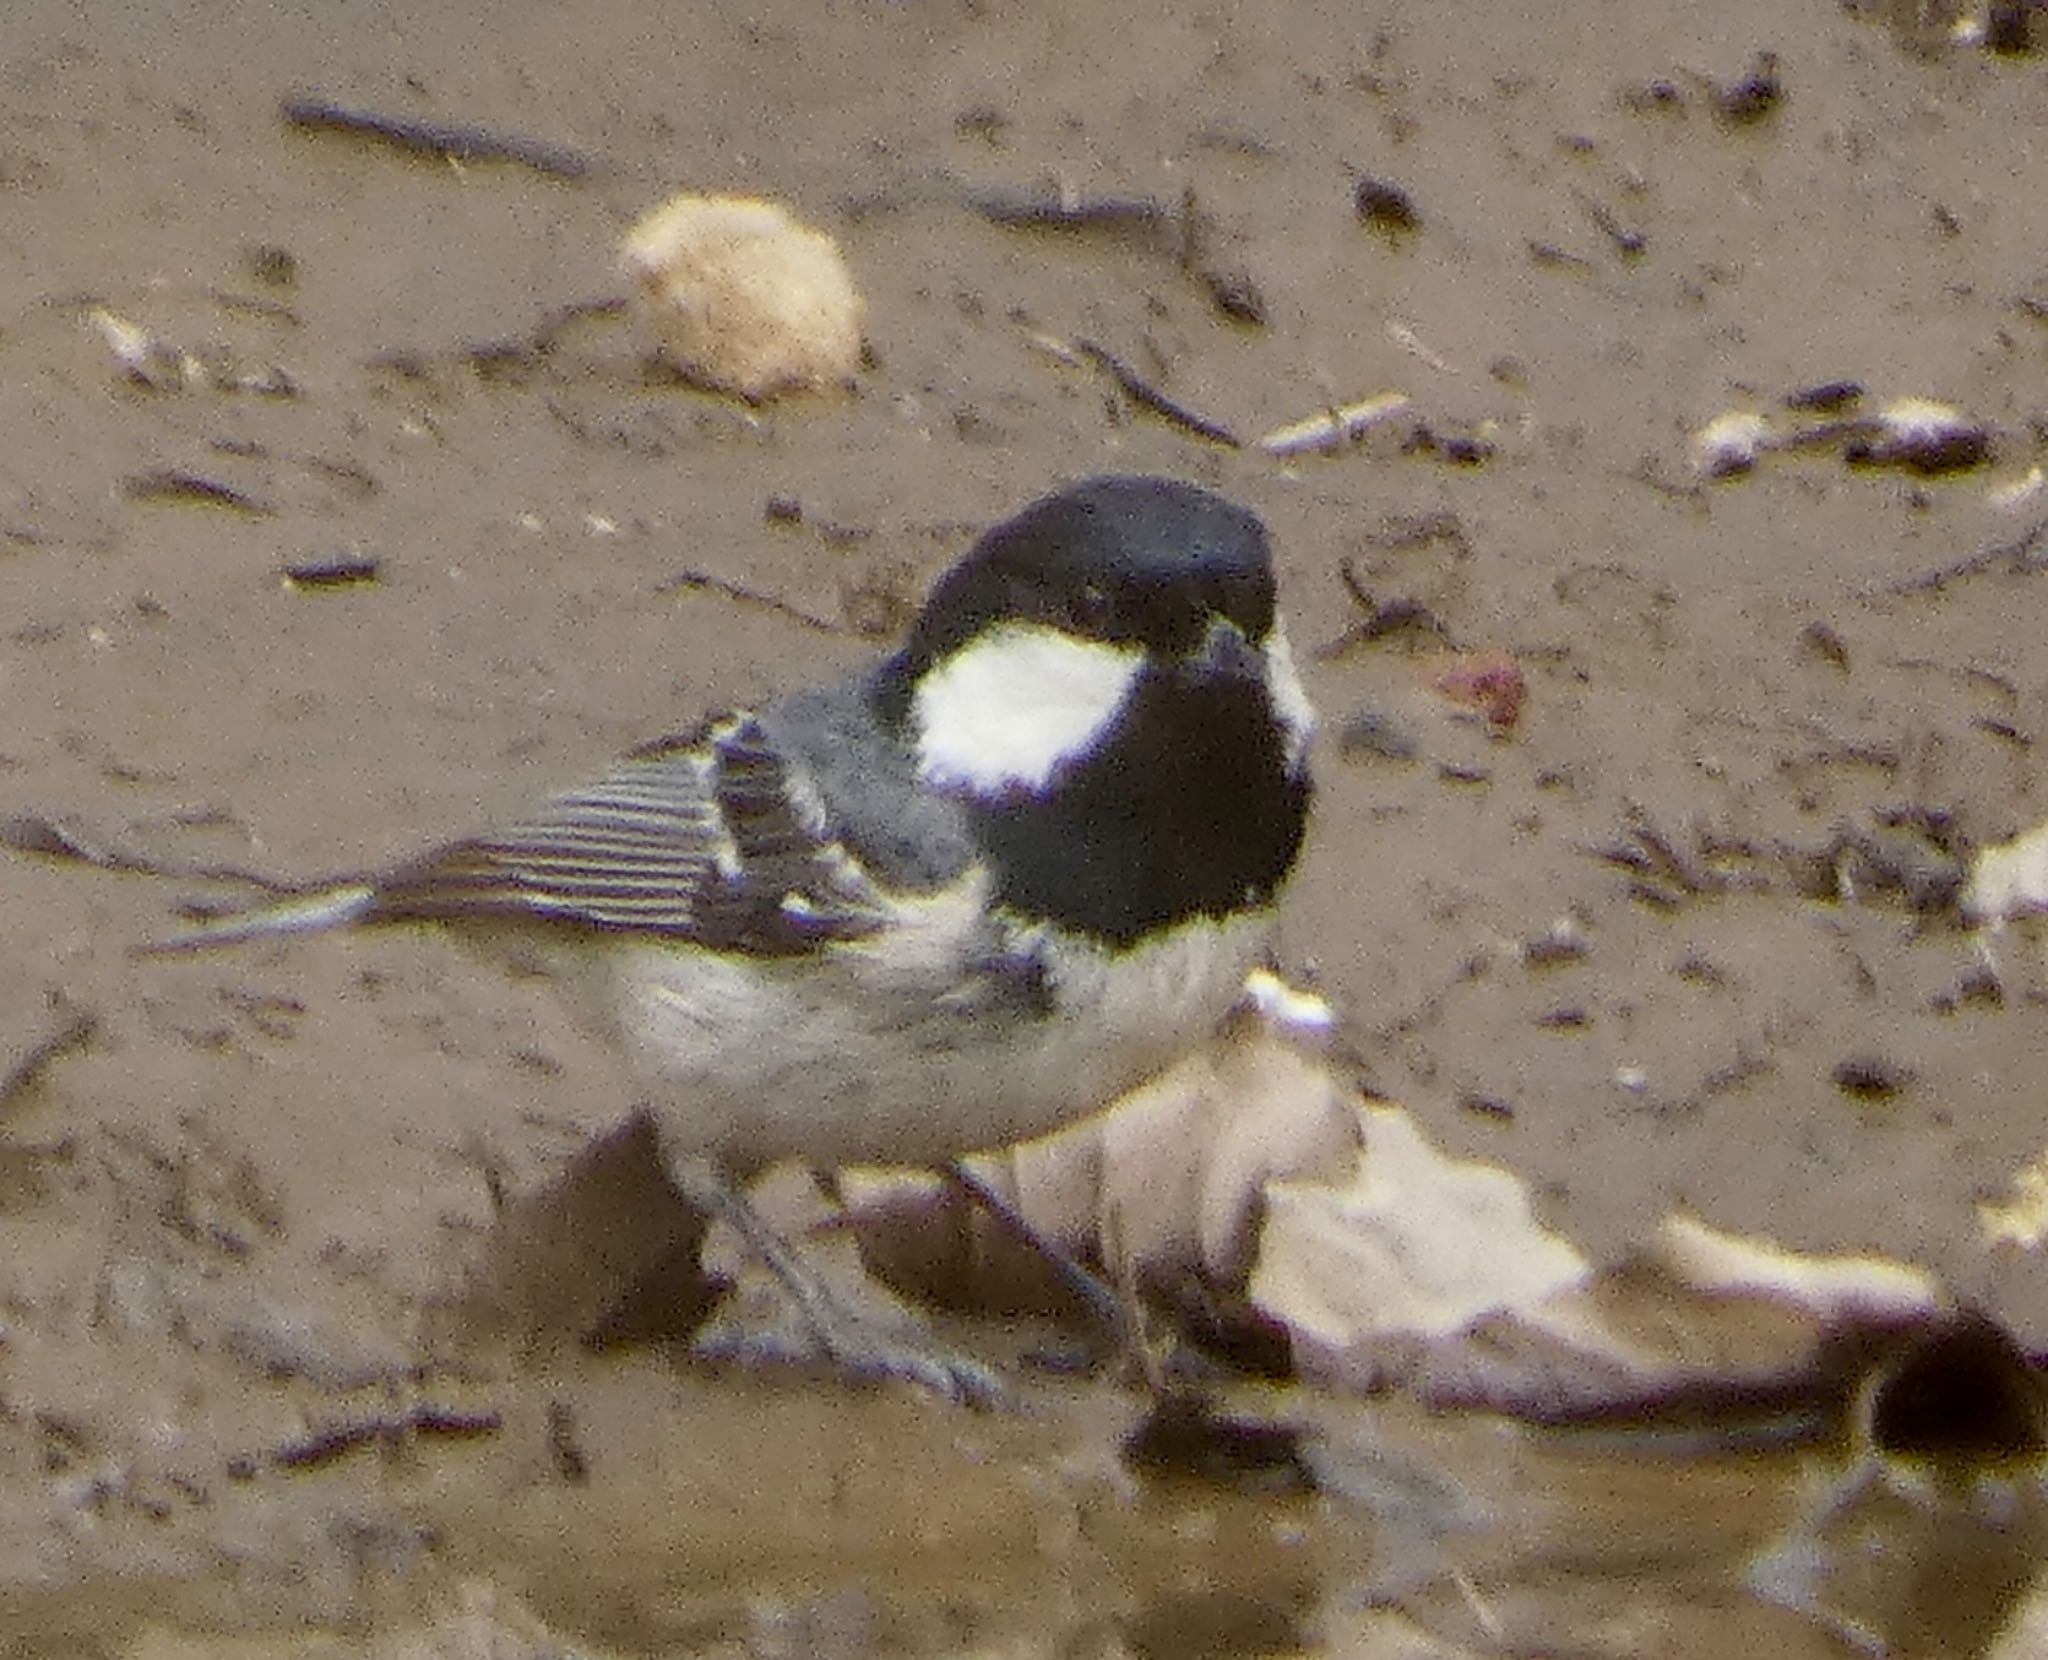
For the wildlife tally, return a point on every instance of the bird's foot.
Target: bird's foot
(858, 1348)
(859, 1344)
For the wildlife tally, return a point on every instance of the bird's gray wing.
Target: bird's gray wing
(711, 838)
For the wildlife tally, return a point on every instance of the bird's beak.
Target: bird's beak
(1228, 655)
(1227, 659)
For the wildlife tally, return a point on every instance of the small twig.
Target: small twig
(507, 351)
(1147, 396)
(562, 318)
(1329, 428)
(1380, 618)
(334, 570)
(73, 1031)
(1040, 210)
(458, 140)
(176, 484)
(1630, 244)
(1666, 872)
(1828, 397)
(1672, 862)
(1086, 1288)
(705, 582)
(51, 838)
(1549, 256)
(1394, 616)
(2022, 556)
(565, 1449)
(323, 1446)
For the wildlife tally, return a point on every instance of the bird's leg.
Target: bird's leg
(1088, 1289)
(852, 1341)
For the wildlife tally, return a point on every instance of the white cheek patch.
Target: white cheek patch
(1005, 712)
(1290, 698)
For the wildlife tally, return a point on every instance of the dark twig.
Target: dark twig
(705, 582)
(52, 838)
(176, 484)
(333, 570)
(1667, 871)
(73, 1030)
(1379, 617)
(2021, 556)
(1630, 244)
(562, 318)
(458, 140)
(1086, 1288)
(511, 351)
(393, 1429)
(1043, 210)
(1147, 396)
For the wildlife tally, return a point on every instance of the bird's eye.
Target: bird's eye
(1092, 605)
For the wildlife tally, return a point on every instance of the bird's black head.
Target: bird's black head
(1101, 683)
(1145, 562)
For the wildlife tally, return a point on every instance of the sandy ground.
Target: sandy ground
(224, 1209)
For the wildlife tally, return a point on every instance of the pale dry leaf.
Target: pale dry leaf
(1701, 1313)
(1415, 1244)
(1172, 1178)
(1730, 443)
(1185, 1163)
(2022, 1220)
(2007, 880)
(1831, 1287)
(1431, 1273)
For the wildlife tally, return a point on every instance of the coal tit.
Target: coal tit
(970, 893)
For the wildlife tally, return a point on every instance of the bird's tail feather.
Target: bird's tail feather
(302, 914)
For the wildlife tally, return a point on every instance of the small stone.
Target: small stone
(1562, 942)
(272, 266)
(2008, 27)
(1371, 733)
(1236, 296)
(742, 298)
(1755, 95)
(1385, 206)
(1829, 397)
(1921, 435)
(1870, 1077)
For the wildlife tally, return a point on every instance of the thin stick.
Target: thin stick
(51, 838)
(1328, 428)
(1147, 396)
(1036, 210)
(458, 140)
(1086, 1288)
(705, 582)
(2022, 555)
(74, 1030)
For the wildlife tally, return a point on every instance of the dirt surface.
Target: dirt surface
(237, 1191)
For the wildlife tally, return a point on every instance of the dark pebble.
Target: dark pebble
(1869, 1077)
(1385, 206)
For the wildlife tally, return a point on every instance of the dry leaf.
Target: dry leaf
(1431, 1273)
(1829, 1287)
(2007, 880)
(1416, 1244)
(1171, 1179)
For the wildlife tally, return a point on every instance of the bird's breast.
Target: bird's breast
(830, 1062)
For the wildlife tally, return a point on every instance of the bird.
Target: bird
(966, 894)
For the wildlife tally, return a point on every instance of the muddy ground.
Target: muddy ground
(228, 1207)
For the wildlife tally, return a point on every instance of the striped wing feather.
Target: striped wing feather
(699, 838)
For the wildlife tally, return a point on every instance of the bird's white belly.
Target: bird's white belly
(747, 1063)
